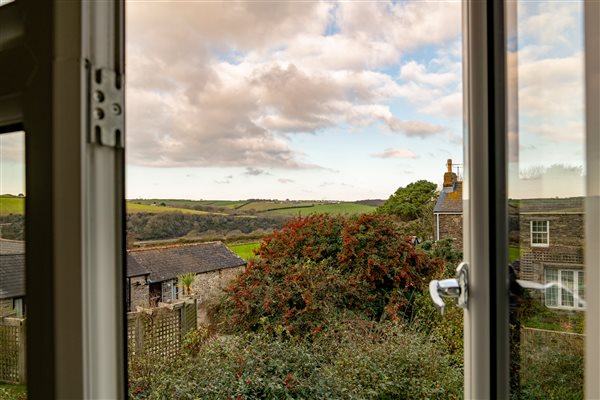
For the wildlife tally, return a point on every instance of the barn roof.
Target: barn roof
(164, 263)
(12, 275)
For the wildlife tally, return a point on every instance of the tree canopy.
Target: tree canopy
(411, 202)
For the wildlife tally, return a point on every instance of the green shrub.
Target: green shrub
(363, 360)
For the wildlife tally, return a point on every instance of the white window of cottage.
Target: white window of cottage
(540, 233)
(565, 290)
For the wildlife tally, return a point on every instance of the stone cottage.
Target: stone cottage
(152, 272)
(551, 240)
(448, 210)
(12, 278)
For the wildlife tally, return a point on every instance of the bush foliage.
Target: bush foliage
(364, 361)
(319, 268)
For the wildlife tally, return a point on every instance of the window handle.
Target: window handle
(456, 288)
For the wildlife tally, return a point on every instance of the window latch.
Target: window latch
(105, 107)
(456, 288)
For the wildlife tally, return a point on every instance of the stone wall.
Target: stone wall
(209, 286)
(6, 307)
(139, 291)
(451, 227)
(565, 229)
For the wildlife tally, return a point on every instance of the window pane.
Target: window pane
(282, 152)
(552, 292)
(13, 301)
(546, 189)
(567, 288)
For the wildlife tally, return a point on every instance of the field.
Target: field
(330, 208)
(244, 250)
(12, 205)
(133, 208)
(191, 203)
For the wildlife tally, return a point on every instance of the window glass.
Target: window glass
(13, 311)
(295, 167)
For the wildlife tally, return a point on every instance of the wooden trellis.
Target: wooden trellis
(12, 350)
(160, 331)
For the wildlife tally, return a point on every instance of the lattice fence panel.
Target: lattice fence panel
(12, 352)
(159, 331)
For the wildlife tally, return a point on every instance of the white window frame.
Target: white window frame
(547, 232)
(577, 305)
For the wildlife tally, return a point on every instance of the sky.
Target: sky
(330, 100)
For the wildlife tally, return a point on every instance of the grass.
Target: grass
(514, 253)
(272, 205)
(190, 203)
(244, 250)
(12, 205)
(13, 392)
(133, 208)
(331, 208)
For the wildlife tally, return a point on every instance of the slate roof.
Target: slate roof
(12, 268)
(12, 275)
(134, 268)
(450, 201)
(558, 205)
(168, 262)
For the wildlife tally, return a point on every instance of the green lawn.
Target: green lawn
(12, 205)
(514, 252)
(331, 208)
(244, 250)
(13, 392)
(133, 208)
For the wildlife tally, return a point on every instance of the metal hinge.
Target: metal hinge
(105, 100)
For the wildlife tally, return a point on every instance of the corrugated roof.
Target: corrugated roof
(450, 201)
(12, 246)
(168, 262)
(12, 275)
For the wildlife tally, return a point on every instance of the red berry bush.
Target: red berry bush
(321, 268)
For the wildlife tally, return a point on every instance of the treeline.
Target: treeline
(145, 226)
(12, 227)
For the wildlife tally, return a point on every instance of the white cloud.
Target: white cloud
(223, 84)
(285, 180)
(395, 153)
(413, 71)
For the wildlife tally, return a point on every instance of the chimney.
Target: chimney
(449, 177)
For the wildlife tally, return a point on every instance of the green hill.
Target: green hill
(12, 205)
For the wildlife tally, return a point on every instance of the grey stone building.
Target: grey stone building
(12, 278)
(152, 272)
(448, 210)
(551, 240)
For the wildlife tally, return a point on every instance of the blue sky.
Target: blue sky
(329, 100)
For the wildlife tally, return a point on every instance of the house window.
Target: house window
(540, 233)
(19, 307)
(566, 288)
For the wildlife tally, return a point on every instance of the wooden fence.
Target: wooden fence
(160, 331)
(12, 350)
(533, 336)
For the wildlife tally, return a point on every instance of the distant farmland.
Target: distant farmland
(12, 205)
(133, 208)
(332, 208)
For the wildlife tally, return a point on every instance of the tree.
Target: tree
(411, 202)
(185, 281)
